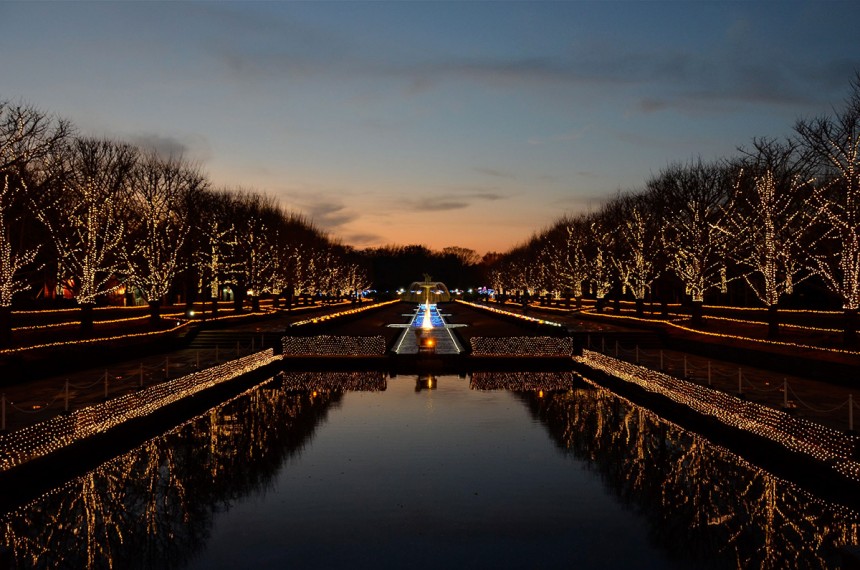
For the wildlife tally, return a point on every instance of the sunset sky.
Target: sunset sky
(455, 123)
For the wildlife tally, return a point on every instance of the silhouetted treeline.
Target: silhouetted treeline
(395, 266)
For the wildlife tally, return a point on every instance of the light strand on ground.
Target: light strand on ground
(46, 437)
(797, 434)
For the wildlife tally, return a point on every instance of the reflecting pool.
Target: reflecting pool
(507, 470)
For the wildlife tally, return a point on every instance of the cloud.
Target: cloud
(741, 68)
(324, 208)
(496, 173)
(450, 201)
(364, 239)
(192, 147)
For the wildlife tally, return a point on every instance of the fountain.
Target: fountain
(430, 332)
(427, 291)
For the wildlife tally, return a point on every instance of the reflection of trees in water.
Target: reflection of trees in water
(701, 501)
(153, 506)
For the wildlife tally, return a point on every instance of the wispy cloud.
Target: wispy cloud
(192, 147)
(497, 173)
(325, 209)
(450, 201)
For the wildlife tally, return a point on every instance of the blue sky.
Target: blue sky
(441, 123)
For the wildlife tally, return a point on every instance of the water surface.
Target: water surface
(429, 472)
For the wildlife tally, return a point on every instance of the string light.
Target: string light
(819, 442)
(323, 318)
(522, 346)
(92, 340)
(510, 314)
(328, 345)
(522, 381)
(360, 381)
(55, 433)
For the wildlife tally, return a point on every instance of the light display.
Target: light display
(160, 224)
(694, 196)
(797, 434)
(766, 228)
(522, 346)
(43, 438)
(510, 314)
(364, 381)
(522, 381)
(323, 318)
(11, 262)
(84, 217)
(93, 340)
(835, 142)
(327, 345)
(634, 263)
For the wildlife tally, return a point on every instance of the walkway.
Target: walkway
(816, 399)
(438, 337)
(37, 400)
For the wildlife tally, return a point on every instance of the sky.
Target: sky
(470, 124)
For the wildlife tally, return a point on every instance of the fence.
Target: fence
(45, 437)
(111, 384)
(744, 383)
(797, 434)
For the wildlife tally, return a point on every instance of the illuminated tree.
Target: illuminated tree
(834, 143)
(217, 240)
(636, 242)
(27, 137)
(767, 222)
(161, 192)
(255, 219)
(691, 200)
(600, 240)
(567, 242)
(86, 216)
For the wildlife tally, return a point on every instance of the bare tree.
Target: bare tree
(567, 253)
(161, 191)
(599, 245)
(85, 216)
(635, 245)
(27, 138)
(217, 237)
(834, 142)
(766, 224)
(691, 199)
(255, 217)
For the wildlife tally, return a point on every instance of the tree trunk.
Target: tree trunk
(772, 322)
(640, 308)
(155, 312)
(617, 305)
(276, 301)
(214, 306)
(664, 309)
(850, 335)
(578, 302)
(87, 319)
(599, 304)
(697, 313)
(5, 326)
(255, 304)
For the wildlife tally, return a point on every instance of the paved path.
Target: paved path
(37, 400)
(815, 399)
